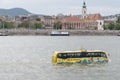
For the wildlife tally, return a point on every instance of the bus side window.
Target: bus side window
(92, 54)
(88, 54)
(78, 55)
(84, 54)
(64, 55)
(69, 55)
(59, 55)
(96, 54)
(99, 54)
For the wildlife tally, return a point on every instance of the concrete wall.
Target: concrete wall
(72, 32)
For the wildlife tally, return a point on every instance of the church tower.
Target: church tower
(84, 11)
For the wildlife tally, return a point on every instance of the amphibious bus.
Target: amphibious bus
(81, 56)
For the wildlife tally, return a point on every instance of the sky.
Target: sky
(66, 7)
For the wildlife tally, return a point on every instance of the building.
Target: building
(74, 22)
(100, 24)
(48, 21)
(87, 22)
(97, 18)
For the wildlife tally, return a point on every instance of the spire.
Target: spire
(84, 10)
(84, 5)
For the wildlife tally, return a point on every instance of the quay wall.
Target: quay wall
(46, 32)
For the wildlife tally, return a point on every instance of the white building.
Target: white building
(100, 24)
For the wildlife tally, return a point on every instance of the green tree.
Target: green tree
(105, 27)
(118, 20)
(38, 25)
(117, 26)
(21, 25)
(58, 25)
(111, 26)
(8, 25)
(38, 19)
(25, 24)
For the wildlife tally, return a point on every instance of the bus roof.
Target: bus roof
(79, 51)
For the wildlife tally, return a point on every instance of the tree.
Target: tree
(117, 26)
(58, 25)
(38, 25)
(111, 26)
(25, 24)
(38, 19)
(105, 27)
(8, 25)
(118, 20)
(21, 25)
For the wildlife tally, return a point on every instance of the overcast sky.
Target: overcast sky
(53, 7)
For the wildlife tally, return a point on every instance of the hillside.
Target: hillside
(13, 12)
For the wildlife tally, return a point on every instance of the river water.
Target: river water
(29, 58)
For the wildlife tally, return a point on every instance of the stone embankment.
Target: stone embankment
(46, 32)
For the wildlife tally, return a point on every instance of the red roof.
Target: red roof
(71, 19)
(94, 17)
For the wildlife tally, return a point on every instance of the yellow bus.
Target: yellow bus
(86, 56)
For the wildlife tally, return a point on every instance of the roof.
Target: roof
(80, 51)
(94, 16)
(71, 19)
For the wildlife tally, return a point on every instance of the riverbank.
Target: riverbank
(43, 32)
